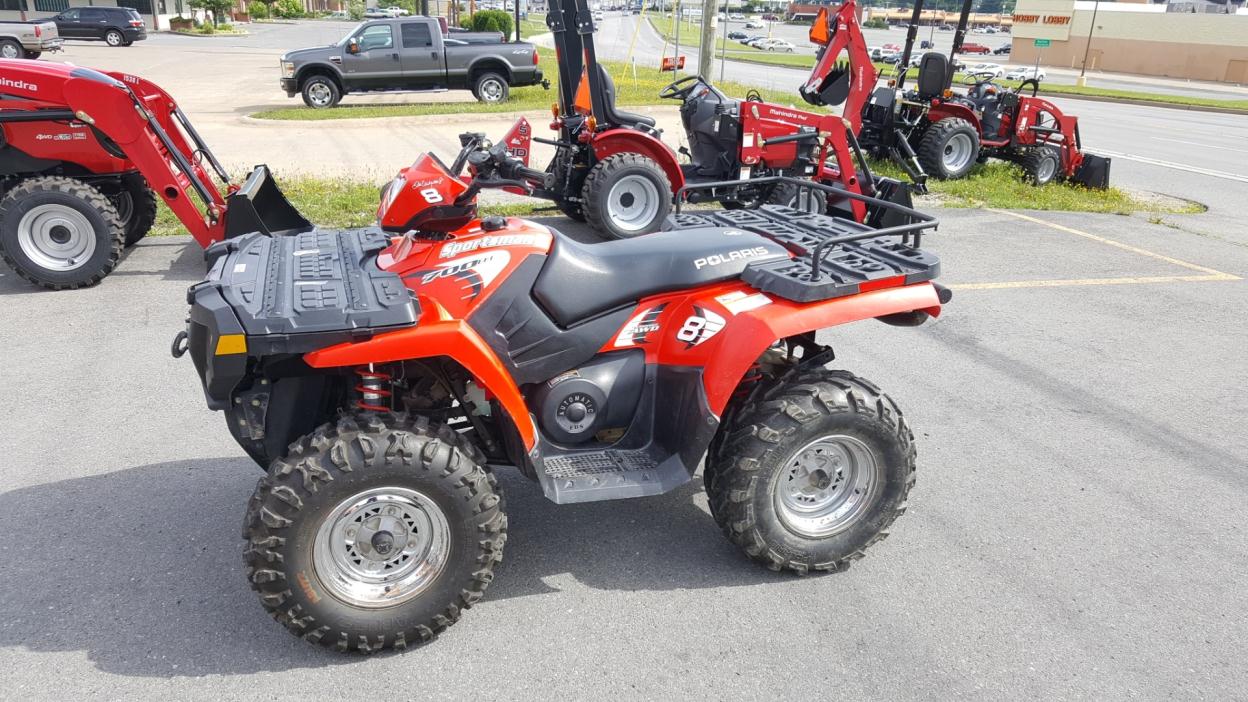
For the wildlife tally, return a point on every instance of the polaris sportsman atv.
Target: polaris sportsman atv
(382, 376)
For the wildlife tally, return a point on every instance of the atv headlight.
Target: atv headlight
(391, 192)
(288, 69)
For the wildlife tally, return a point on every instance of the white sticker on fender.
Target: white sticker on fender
(740, 301)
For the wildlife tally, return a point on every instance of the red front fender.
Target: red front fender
(619, 141)
(750, 333)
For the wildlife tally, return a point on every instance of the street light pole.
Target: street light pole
(1082, 81)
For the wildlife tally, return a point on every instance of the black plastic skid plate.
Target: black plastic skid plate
(843, 268)
(314, 282)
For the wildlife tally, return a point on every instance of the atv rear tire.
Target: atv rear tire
(1040, 165)
(136, 205)
(59, 233)
(490, 88)
(949, 148)
(320, 92)
(375, 532)
(626, 195)
(813, 472)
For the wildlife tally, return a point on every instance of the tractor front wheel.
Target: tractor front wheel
(373, 533)
(1040, 165)
(949, 148)
(59, 233)
(804, 199)
(626, 195)
(812, 473)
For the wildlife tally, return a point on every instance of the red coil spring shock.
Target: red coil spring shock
(374, 389)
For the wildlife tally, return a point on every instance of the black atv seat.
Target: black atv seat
(579, 280)
(617, 116)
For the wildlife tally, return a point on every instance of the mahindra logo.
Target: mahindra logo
(19, 84)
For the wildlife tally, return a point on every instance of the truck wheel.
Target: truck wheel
(32, 55)
(375, 532)
(114, 38)
(136, 205)
(59, 233)
(10, 49)
(949, 148)
(626, 195)
(320, 92)
(813, 473)
(1040, 165)
(491, 88)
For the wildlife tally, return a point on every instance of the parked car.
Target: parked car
(996, 70)
(969, 48)
(776, 45)
(890, 57)
(1003, 49)
(115, 26)
(945, 28)
(1026, 73)
(737, 35)
(755, 24)
(990, 30)
(891, 47)
(409, 54)
(754, 39)
(736, 16)
(339, 15)
(376, 13)
(28, 39)
(771, 18)
(925, 44)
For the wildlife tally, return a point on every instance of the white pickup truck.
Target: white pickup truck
(28, 39)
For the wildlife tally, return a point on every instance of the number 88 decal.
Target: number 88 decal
(699, 327)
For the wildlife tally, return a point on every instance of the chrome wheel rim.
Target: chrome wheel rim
(113, 39)
(826, 486)
(381, 547)
(8, 51)
(56, 237)
(958, 152)
(320, 94)
(633, 203)
(492, 90)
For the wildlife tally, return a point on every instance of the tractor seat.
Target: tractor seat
(935, 73)
(620, 117)
(580, 280)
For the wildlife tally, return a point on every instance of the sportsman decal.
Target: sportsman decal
(640, 327)
(699, 327)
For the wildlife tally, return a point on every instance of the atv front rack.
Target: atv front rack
(833, 256)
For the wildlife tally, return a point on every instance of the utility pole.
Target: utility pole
(1082, 81)
(706, 50)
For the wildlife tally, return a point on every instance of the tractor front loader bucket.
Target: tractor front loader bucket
(260, 206)
(1093, 172)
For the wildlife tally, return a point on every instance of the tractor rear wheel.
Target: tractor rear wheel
(949, 148)
(1040, 165)
(812, 473)
(136, 205)
(374, 532)
(626, 195)
(59, 233)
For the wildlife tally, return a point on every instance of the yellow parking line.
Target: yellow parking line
(1118, 245)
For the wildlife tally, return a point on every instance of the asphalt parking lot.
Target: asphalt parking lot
(1076, 531)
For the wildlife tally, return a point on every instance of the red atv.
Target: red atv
(381, 377)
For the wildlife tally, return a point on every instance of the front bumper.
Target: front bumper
(290, 86)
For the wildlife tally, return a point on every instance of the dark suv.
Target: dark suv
(118, 26)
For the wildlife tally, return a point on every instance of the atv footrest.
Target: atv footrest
(586, 476)
(833, 257)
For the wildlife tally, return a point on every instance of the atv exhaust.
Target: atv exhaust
(260, 206)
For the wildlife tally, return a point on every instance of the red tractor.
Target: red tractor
(612, 168)
(952, 131)
(384, 379)
(83, 157)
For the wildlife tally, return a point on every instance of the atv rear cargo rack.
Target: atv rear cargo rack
(833, 256)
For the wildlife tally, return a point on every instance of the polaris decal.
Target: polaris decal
(737, 255)
(476, 272)
(637, 330)
(454, 248)
(699, 327)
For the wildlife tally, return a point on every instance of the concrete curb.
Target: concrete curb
(219, 35)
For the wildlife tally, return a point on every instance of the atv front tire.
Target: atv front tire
(626, 195)
(59, 233)
(375, 532)
(949, 148)
(812, 472)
